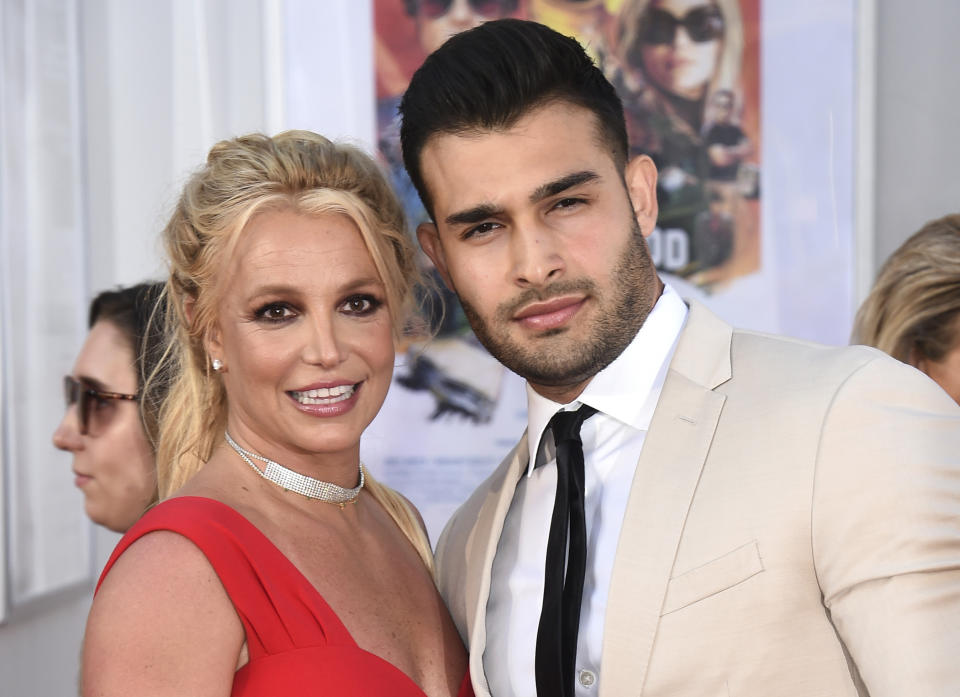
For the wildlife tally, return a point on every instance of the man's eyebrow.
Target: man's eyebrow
(482, 212)
(477, 214)
(562, 184)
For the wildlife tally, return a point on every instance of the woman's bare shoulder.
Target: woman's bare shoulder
(161, 623)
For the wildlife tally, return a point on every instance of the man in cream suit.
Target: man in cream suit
(764, 516)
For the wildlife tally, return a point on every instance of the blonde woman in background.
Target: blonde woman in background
(277, 566)
(913, 311)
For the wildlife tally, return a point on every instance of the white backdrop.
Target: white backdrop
(43, 279)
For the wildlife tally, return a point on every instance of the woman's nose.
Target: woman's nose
(67, 436)
(324, 347)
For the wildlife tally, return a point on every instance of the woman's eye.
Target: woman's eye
(361, 305)
(99, 403)
(275, 312)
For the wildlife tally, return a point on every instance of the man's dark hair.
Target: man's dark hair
(489, 77)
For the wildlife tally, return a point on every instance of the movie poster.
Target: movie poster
(689, 77)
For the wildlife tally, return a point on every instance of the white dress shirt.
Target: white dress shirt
(625, 395)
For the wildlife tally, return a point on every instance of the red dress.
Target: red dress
(297, 645)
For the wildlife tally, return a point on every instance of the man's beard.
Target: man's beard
(617, 319)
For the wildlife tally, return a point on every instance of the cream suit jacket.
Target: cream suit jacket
(793, 529)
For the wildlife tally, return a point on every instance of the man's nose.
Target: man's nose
(537, 257)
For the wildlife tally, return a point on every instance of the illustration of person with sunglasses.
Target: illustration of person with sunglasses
(109, 425)
(670, 58)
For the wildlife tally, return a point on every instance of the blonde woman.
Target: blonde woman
(277, 566)
(913, 311)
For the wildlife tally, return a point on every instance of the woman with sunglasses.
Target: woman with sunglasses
(275, 565)
(109, 429)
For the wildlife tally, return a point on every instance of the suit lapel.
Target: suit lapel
(663, 487)
(483, 542)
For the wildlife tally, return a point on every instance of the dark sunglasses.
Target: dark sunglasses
(88, 399)
(704, 23)
(434, 9)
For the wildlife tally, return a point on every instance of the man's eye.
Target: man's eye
(569, 202)
(274, 312)
(480, 230)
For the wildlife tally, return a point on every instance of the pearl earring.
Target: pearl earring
(217, 364)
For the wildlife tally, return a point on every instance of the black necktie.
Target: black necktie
(560, 616)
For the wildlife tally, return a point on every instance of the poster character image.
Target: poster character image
(687, 71)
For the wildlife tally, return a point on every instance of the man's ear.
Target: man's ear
(429, 238)
(640, 175)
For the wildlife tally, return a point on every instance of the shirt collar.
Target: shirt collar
(621, 390)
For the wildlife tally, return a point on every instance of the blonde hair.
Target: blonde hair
(913, 311)
(299, 171)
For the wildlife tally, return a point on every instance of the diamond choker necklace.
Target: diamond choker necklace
(301, 484)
